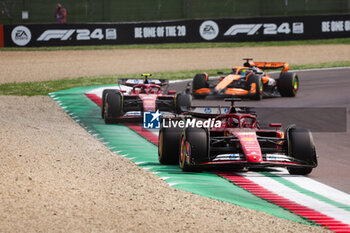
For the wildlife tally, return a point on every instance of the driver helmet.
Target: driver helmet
(233, 122)
(142, 89)
(243, 71)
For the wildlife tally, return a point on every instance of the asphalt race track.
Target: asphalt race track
(318, 88)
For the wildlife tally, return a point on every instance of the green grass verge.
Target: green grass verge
(187, 45)
(45, 87)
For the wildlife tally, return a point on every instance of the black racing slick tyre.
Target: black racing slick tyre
(112, 107)
(169, 145)
(301, 147)
(103, 102)
(199, 81)
(193, 148)
(256, 79)
(182, 102)
(288, 84)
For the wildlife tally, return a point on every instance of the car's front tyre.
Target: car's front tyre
(255, 80)
(301, 147)
(112, 107)
(103, 101)
(193, 148)
(169, 145)
(288, 84)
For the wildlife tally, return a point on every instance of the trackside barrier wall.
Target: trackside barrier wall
(179, 31)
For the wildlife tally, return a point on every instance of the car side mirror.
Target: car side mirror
(171, 92)
(220, 73)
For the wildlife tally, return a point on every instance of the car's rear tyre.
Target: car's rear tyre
(193, 148)
(288, 84)
(169, 145)
(113, 107)
(256, 79)
(103, 102)
(199, 81)
(182, 101)
(301, 147)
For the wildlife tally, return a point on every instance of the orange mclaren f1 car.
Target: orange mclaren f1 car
(250, 81)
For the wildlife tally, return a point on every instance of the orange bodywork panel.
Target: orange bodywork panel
(236, 91)
(203, 91)
(272, 65)
(227, 81)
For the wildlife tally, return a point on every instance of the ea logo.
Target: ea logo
(209, 30)
(207, 110)
(21, 35)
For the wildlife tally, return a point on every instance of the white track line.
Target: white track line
(319, 188)
(302, 199)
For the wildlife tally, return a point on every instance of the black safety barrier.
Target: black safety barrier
(179, 31)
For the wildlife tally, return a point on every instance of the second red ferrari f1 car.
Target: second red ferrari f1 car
(144, 95)
(249, 81)
(238, 142)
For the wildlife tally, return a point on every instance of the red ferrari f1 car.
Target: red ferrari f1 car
(249, 81)
(238, 142)
(144, 95)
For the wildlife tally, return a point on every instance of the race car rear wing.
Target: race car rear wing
(272, 65)
(207, 111)
(266, 65)
(133, 82)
